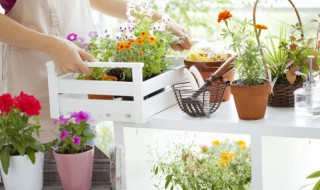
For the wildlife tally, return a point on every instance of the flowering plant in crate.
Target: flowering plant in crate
(144, 40)
(75, 132)
(101, 47)
(222, 165)
(141, 39)
(19, 127)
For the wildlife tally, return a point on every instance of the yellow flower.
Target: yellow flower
(243, 147)
(226, 157)
(224, 15)
(140, 53)
(139, 41)
(204, 148)
(241, 143)
(261, 26)
(216, 143)
(104, 131)
(152, 40)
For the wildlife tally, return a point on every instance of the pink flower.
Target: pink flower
(63, 120)
(76, 140)
(72, 37)
(93, 34)
(64, 134)
(80, 116)
(80, 40)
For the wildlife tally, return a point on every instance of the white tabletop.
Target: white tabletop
(279, 122)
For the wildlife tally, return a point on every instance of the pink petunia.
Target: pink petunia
(72, 37)
(64, 134)
(93, 34)
(80, 116)
(63, 120)
(76, 140)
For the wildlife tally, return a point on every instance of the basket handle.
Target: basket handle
(294, 8)
(256, 30)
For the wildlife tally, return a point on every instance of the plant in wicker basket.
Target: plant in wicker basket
(285, 59)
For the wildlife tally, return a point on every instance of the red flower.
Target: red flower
(6, 102)
(27, 104)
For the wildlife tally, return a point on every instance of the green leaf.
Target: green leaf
(156, 171)
(36, 146)
(171, 187)
(5, 159)
(184, 187)
(17, 145)
(168, 180)
(314, 175)
(31, 155)
(317, 186)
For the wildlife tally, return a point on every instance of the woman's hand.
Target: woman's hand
(184, 43)
(68, 57)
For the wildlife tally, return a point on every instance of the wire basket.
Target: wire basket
(206, 102)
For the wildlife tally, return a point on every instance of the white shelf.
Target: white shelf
(278, 122)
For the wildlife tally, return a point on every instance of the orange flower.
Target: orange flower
(152, 40)
(121, 46)
(224, 15)
(129, 45)
(143, 34)
(139, 41)
(261, 26)
(140, 53)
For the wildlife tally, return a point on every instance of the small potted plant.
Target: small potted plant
(251, 90)
(20, 152)
(221, 165)
(73, 156)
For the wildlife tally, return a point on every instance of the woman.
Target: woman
(34, 32)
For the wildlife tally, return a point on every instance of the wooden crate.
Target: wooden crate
(68, 94)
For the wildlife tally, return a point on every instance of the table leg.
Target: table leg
(256, 162)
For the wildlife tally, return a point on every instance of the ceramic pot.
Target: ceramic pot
(103, 97)
(75, 170)
(207, 68)
(22, 174)
(251, 101)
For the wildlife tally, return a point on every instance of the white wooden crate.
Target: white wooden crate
(68, 94)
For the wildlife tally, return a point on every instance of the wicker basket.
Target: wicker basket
(282, 95)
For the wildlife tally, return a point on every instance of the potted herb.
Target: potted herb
(222, 165)
(73, 156)
(20, 152)
(251, 90)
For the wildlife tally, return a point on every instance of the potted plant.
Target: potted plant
(20, 152)
(251, 90)
(73, 156)
(284, 60)
(222, 165)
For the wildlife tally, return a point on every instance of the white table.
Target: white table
(278, 122)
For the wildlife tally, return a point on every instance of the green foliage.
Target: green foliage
(103, 49)
(18, 133)
(276, 57)
(249, 63)
(219, 166)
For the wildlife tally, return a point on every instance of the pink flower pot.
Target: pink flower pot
(75, 170)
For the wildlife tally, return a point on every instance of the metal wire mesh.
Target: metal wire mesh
(207, 102)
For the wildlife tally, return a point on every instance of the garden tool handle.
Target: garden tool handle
(217, 75)
(223, 69)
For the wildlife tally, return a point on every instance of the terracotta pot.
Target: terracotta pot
(103, 97)
(251, 101)
(207, 68)
(75, 170)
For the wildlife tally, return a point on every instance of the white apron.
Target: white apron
(25, 70)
